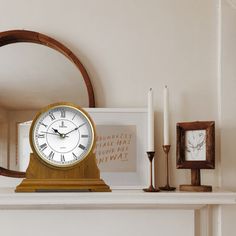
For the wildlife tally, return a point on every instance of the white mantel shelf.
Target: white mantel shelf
(121, 199)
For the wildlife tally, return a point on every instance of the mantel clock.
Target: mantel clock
(62, 138)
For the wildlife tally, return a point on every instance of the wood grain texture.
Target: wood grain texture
(192, 188)
(84, 176)
(195, 183)
(12, 173)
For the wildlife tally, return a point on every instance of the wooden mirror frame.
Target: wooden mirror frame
(17, 36)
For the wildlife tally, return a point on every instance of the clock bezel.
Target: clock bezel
(46, 110)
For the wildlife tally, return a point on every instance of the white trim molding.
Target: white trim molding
(124, 199)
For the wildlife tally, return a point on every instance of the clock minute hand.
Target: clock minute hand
(44, 132)
(49, 133)
(75, 129)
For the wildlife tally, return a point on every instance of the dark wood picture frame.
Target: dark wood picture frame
(181, 129)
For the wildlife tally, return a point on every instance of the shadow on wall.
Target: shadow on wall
(228, 159)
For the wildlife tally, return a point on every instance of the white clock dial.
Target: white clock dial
(62, 136)
(195, 145)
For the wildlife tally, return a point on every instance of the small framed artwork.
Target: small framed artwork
(196, 145)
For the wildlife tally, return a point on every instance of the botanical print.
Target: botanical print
(195, 145)
(116, 148)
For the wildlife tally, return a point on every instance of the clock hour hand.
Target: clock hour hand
(75, 129)
(57, 132)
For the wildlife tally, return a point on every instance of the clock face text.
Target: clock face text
(62, 136)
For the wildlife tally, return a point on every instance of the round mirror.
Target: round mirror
(35, 70)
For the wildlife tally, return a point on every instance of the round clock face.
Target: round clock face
(62, 135)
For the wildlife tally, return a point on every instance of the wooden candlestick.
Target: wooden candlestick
(151, 188)
(167, 187)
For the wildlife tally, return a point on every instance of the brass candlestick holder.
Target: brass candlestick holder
(151, 187)
(167, 187)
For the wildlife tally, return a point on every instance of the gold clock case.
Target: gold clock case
(43, 177)
(45, 110)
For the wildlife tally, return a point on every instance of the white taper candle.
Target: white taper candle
(166, 116)
(150, 146)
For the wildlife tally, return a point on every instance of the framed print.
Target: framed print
(196, 145)
(121, 146)
(121, 135)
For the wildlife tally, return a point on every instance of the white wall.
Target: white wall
(228, 114)
(3, 139)
(228, 98)
(128, 46)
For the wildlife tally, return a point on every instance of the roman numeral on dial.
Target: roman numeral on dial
(52, 116)
(51, 155)
(82, 146)
(62, 158)
(63, 113)
(40, 135)
(43, 146)
(74, 156)
(74, 116)
(41, 123)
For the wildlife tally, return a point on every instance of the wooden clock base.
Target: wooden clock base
(62, 185)
(84, 177)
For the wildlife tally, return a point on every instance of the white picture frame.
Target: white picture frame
(126, 116)
(117, 117)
